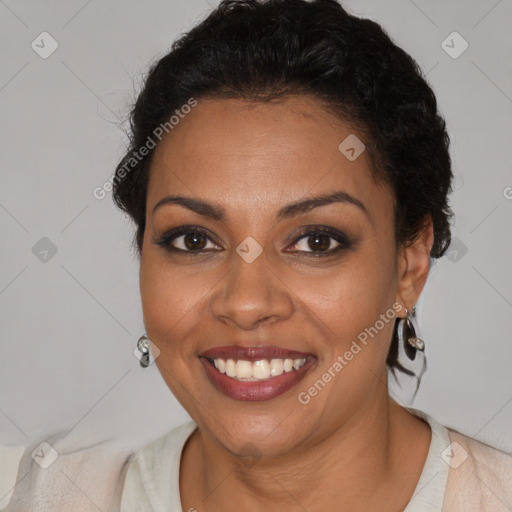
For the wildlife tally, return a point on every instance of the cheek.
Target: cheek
(174, 302)
(170, 304)
(353, 303)
(165, 298)
(155, 297)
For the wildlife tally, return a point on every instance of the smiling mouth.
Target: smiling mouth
(254, 371)
(255, 374)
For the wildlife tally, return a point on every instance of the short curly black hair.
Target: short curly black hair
(262, 50)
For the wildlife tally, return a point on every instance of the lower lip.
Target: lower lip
(255, 391)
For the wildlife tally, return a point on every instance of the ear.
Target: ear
(413, 263)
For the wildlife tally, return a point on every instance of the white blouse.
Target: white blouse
(9, 461)
(459, 475)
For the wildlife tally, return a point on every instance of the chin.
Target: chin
(270, 434)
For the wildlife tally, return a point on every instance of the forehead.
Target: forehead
(252, 155)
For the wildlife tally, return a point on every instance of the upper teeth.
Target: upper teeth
(257, 370)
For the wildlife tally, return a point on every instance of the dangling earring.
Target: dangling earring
(143, 348)
(407, 335)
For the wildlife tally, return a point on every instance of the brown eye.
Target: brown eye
(187, 239)
(321, 241)
(194, 241)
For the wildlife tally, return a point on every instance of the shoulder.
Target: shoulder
(170, 443)
(480, 476)
(69, 471)
(462, 474)
(152, 478)
(10, 457)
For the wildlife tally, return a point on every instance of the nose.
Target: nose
(251, 294)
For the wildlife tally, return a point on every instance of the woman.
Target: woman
(294, 204)
(288, 177)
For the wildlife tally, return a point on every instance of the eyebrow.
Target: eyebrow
(217, 212)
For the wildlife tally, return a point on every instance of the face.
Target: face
(255, 270)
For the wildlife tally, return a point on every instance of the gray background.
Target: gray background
(70, 322)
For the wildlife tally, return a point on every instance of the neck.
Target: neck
(358, 464)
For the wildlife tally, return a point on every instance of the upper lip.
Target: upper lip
(254, 353)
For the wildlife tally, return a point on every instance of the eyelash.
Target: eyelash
(342, 239)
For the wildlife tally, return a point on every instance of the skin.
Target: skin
(351, 444)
